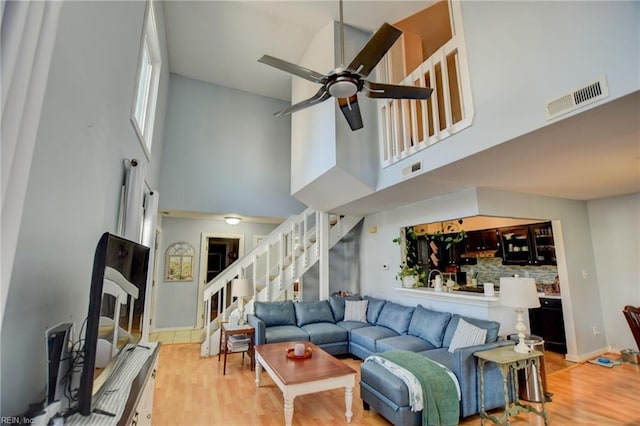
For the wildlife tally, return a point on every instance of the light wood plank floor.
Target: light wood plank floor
(191, 390)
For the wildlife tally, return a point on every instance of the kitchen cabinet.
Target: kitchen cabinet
(485, 240)
(528, 244)
(543, 244)
(547, 321)
(515, 245)
(434, 254)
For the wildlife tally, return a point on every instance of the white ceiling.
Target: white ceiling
(592, 155)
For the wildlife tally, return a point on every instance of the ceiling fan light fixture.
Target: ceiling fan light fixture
(232, 220)
(343, 88)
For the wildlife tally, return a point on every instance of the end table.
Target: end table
(226, 330)
(509, 362)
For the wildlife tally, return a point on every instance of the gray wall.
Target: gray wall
(615, 229)
(225, 152)
(74, 186)
(176, 302)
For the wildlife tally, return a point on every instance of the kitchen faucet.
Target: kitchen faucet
(431, 272)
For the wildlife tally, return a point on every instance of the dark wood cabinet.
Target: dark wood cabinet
(485, 240)
(528, 245)
(547, 321)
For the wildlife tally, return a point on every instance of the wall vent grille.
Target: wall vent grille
(411, 169)
(578, 98)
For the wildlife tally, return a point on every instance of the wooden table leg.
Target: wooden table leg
(224, 368)
(288, 409)
(348, 401)
(258, 373)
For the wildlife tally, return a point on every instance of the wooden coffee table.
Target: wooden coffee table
(302, 376)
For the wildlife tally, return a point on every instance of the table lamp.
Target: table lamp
(519, 293)
(240, 288)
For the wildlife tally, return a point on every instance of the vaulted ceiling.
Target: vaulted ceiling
(576, 158)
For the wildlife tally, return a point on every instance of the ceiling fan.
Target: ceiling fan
(344, 82)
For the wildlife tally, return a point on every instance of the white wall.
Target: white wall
(523, 54)
(176, 302)
(74, 185)
(615, 229)
(225, 152)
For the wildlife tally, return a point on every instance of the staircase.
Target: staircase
(274, 266)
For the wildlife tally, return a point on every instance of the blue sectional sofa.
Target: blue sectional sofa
(388, 326)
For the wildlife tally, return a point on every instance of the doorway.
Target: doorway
(217, 253)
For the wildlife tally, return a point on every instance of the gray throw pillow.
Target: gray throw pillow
(337, 305)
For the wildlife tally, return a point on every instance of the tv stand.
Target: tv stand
(139, 406)
(135, 406)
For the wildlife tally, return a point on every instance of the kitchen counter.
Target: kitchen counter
(549, 296)
(459, 297)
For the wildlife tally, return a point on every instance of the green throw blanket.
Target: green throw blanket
(441, 406)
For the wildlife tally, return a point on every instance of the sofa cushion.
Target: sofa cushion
(352, 325)
(429, 325)
(467, 335)
(492, 328)
(405, 342)
(442, 356)
(275, 313)
(374, 308)
(367, 336)
(395, 317)
(389, 385)
(355, 310)
(311, 312)
(337, 305)
(285, 333)
(321, 333)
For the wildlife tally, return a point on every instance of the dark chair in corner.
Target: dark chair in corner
(632, 314)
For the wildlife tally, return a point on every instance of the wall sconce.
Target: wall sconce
(232, 220)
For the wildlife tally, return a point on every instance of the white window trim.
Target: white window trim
(144, 130)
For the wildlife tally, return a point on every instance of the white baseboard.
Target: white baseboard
(587, 356)
(164, 330)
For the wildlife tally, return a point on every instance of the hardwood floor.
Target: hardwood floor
(191, 390)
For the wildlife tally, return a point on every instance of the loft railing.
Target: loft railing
(409, 126)
(273, 266)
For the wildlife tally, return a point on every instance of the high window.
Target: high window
(147, 83)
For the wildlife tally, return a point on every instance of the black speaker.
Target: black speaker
(59, 353)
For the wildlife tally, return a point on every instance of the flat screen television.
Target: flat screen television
(131, 260)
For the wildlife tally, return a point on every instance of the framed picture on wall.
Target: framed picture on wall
(179, 262)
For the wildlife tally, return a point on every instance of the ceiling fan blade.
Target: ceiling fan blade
(320, 96)
(351, 111)
(392, 91)
(367, 59)
(294, 69)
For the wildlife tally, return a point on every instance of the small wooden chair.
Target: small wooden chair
(632, 314)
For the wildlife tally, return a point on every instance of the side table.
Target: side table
(226, 330)
(509, 362)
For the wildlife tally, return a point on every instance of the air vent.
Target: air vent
(412, 169)
(578, 98)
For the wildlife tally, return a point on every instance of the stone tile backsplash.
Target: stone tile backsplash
(491, 269)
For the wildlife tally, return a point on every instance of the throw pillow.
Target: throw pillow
(467, 335)
(355, 310)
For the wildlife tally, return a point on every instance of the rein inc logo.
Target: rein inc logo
(16, 420)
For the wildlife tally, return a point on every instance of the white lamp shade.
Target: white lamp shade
(519, 292)
(241, 287)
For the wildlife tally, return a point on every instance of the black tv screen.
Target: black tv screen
(131, 260)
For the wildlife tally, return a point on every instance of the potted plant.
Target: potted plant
(446, 233)
(410, 276)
